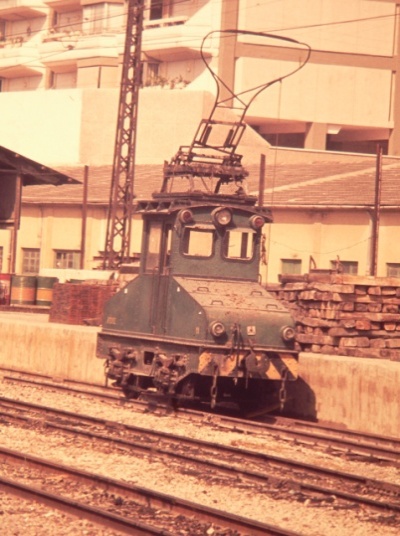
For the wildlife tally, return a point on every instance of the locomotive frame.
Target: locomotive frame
(196, 324)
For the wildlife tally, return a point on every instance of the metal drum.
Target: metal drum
(5, 287)
(23, 290)
(44, 290)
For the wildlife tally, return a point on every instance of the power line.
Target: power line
(268, 30)
(306, 251)
(191, 39)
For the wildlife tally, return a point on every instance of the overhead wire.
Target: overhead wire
(332, 252)
(190, 39)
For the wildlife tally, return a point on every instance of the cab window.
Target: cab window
(239, 244)
(153, 246)
(197, 242)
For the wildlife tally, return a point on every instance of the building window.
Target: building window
(67, 259)
(102, 16)
(156, 9)
(152, 77)
(393, 269)
(291, 266)
(2, 30)
(30, 261)
(345, 267)
(67, 21)
(62, 80)
(97, 16)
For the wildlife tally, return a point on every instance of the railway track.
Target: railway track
(116, 505)
(279, 477)
(342, 442)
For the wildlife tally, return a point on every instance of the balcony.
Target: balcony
(17, 59)
(61, 5)
(69, 47)
(161, 37)
(22, 9)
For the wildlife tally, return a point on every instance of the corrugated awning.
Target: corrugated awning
(31, 172)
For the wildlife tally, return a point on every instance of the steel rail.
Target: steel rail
(385, 448)
(146, 496)
(78, 509)
(230, 469)
(43, 383)
(389, 450)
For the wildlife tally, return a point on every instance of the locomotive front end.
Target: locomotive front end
(196, 323)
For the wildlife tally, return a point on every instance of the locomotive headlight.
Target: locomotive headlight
(256, 222)
(217, 329)
(185, 216)
(287, 333)
(221, 216)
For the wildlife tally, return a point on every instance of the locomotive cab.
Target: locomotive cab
(196, 323)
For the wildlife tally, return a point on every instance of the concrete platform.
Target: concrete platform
(30, 343)
(356, 393)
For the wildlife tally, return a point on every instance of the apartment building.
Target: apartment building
(344, 99)
(60, 71)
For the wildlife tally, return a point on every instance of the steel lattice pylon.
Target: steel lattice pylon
(119, 221)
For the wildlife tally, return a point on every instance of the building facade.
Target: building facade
(55, 53)
(60, 70)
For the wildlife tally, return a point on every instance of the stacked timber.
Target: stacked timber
(344, 315)
(81, 303)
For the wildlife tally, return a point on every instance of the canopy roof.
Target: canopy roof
(31, 172)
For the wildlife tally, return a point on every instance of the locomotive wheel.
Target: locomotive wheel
(129, 393)
(260, 396)
(132, 387)
(188, 388)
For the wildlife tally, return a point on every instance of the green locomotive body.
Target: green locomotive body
(196, 323)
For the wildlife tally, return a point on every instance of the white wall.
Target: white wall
(42, 125)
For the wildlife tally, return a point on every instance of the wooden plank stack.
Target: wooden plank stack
(344, 315)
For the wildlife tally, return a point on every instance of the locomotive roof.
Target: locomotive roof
(165, 203)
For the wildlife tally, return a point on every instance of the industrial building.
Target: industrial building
(60, 71)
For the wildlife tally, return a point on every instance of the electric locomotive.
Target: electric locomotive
(195, 323)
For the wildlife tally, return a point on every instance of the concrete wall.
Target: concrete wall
(321, 93)
(359, 394)
(336, 89)
(77, 126)
(55, 350)
(42, 125)
(356, 393)
(315, 24)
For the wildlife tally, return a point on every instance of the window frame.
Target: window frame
(156, 7)
(347, 266)
(293, 263)
(3, 30)
(251, 243)
(75, 259)
(30, 265)
(391, 265)
(186, 240)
